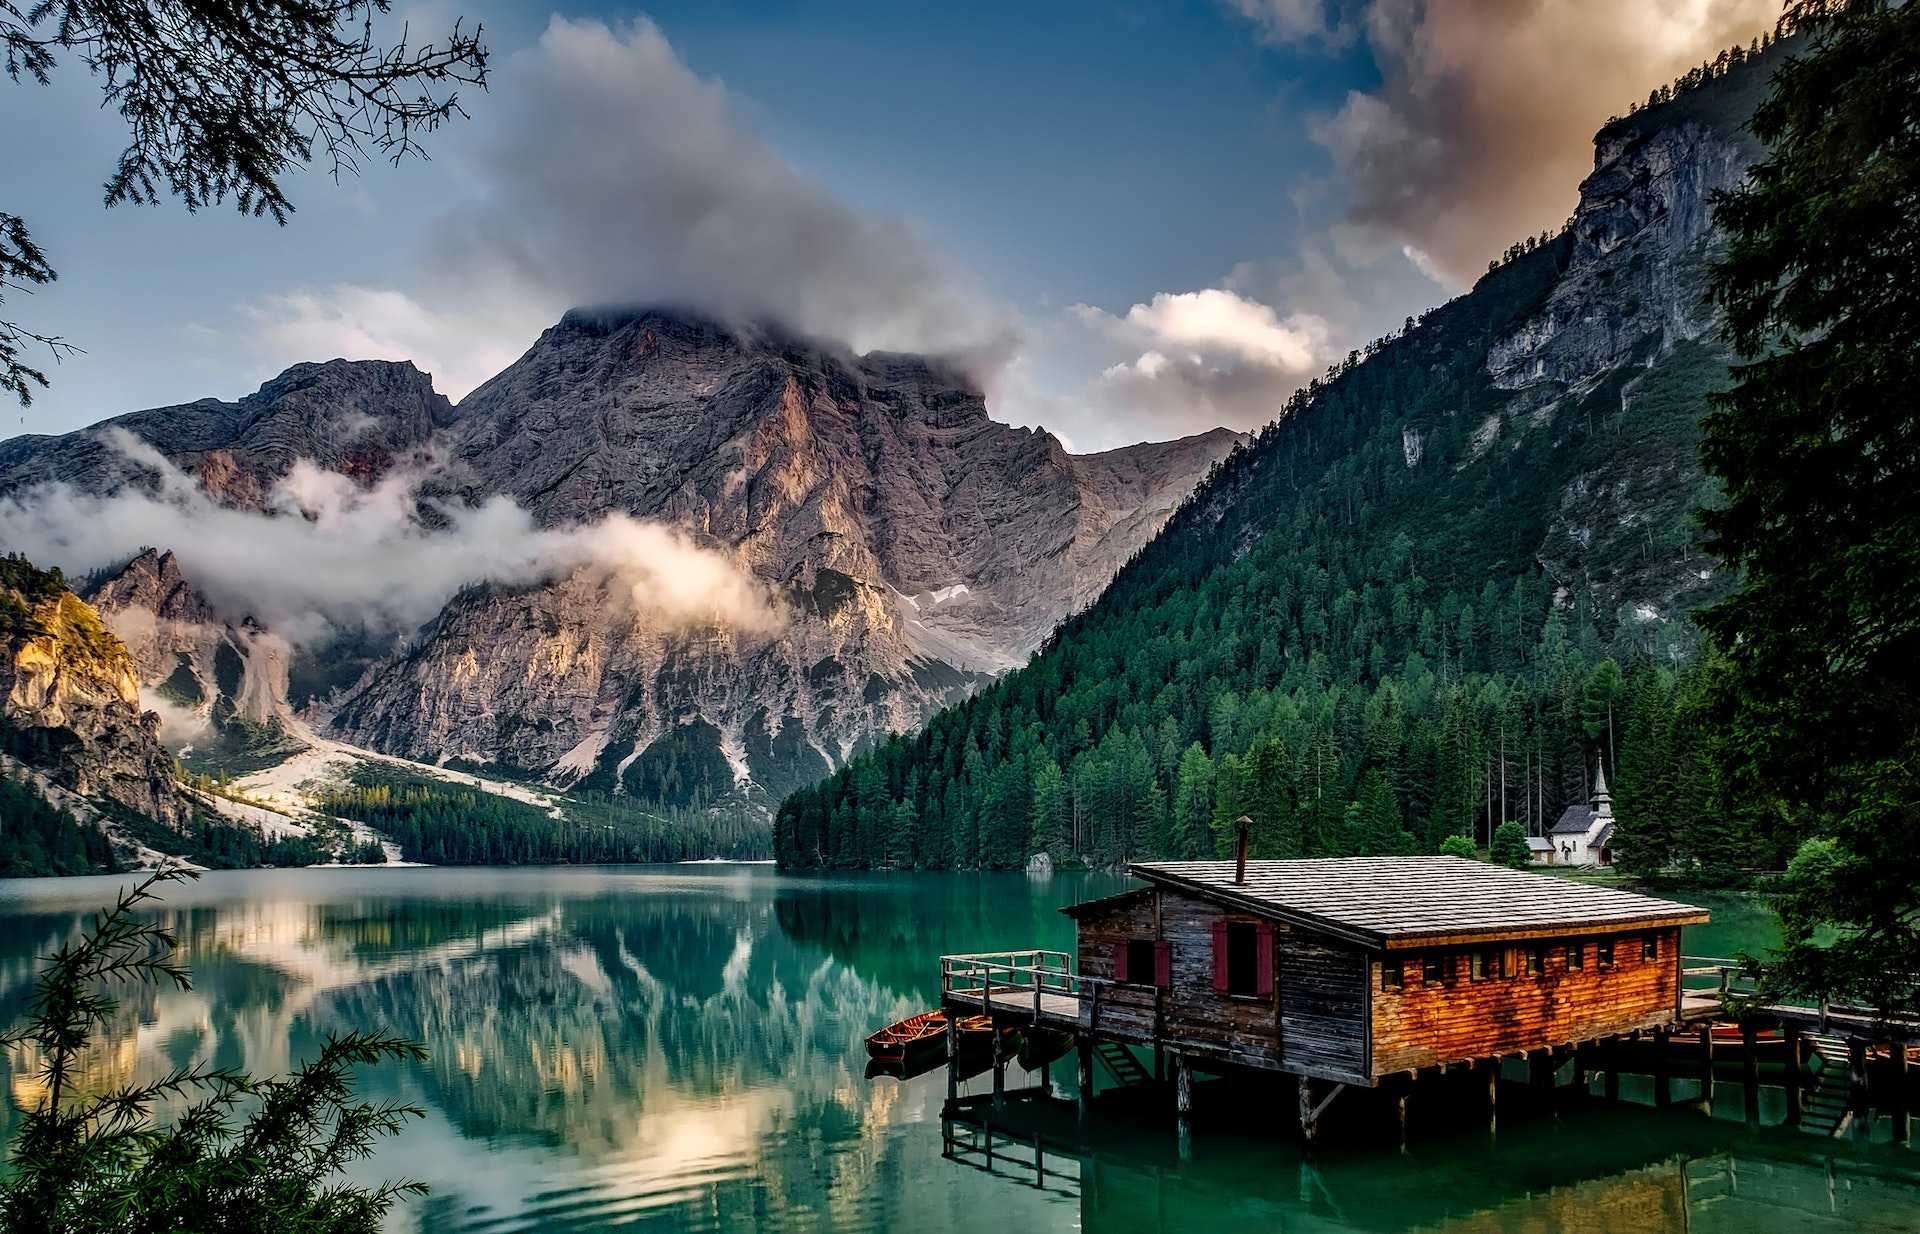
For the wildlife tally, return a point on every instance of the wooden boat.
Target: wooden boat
(925, 1036)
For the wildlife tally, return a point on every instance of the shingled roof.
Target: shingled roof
(1397, 903)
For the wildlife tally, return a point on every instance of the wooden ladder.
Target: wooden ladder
(1827, 1110)
(1121, 1063)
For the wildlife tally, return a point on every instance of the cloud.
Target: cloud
(328, 554)
(618, 176)
(1201, 358)
(1480, 130)
(1294, 21)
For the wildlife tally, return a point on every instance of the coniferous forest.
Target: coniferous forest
(445, 824)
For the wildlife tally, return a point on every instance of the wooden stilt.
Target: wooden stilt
(1083, 1048)
(1750, 1072)
(1612, 1060)
(1400, 1100)
(1662, 1071)
(1901, 1101)
(1541, 1068)
(1706, 1065)
(953, 1057)
(999, 1067)
(1791, 1032)
(1309, 1125)
(1182, 1086)
(1857, 1079)
(1580, 1070)
(1492, 1068)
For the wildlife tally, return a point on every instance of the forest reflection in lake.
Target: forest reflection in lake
(682, 1048)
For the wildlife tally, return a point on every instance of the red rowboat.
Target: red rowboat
(923, 1035)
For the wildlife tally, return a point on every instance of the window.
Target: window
(1576, 957)
(1433, 970)
(1243, 958)
(1487, 964)
(1140, 960)
(1650, 947)
(1603, 952)
(1143, 961)
(1536, 961)
(1392, 974)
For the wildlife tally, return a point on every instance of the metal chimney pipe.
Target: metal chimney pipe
(1240, 857)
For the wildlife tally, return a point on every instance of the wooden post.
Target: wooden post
(999, 1065)
(1750, 1071)
(1791, 1031)
(1492, 1068)
(1540, 1073)
(1400, 1099)
(1662, 1073)
(1900, 1105)
(1706, 1061)
(1182, 1086)
(1309, 1122)
(1083, 1047)
(953, 1058)
(1857, 1077)
(1612, 1085)
(1580, 1070)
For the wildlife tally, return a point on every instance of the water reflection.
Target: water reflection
(1600, 1170)
(684, 1049)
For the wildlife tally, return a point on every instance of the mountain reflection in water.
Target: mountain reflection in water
(682, 1047)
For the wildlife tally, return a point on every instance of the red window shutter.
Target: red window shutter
(1263, 972)
(1120, 962)
(1163, 964)
(1220, 956)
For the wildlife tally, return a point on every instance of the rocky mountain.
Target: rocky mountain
(1374, 627)
(70, 699)
(912, 547)
(917, 547)
(359, 418)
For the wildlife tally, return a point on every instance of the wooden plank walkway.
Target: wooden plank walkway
(1061, 1010)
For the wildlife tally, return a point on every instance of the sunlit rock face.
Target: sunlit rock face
(70, 707)
(913, 546)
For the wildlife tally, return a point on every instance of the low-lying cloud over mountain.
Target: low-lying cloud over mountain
(327, 553)
(619, 176)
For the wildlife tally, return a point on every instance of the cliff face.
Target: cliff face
(1627, 332)
(70, 700)
(916, 546)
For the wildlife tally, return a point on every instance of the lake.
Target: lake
(681, 1048)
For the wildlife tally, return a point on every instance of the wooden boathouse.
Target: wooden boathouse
(1342, 971)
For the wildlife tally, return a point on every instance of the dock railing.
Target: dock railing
(1013, 979)
(1044, 984)
(1722, 979)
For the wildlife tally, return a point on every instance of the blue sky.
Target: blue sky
(1138, 220)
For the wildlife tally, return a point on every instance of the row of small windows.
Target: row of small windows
(1490, 963)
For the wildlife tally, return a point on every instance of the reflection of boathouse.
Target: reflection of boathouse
(1617, 1167)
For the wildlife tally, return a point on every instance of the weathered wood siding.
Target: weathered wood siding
(1323, 1004)
(1123, 1011)
(1419, 1025)
(1313, 1021)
